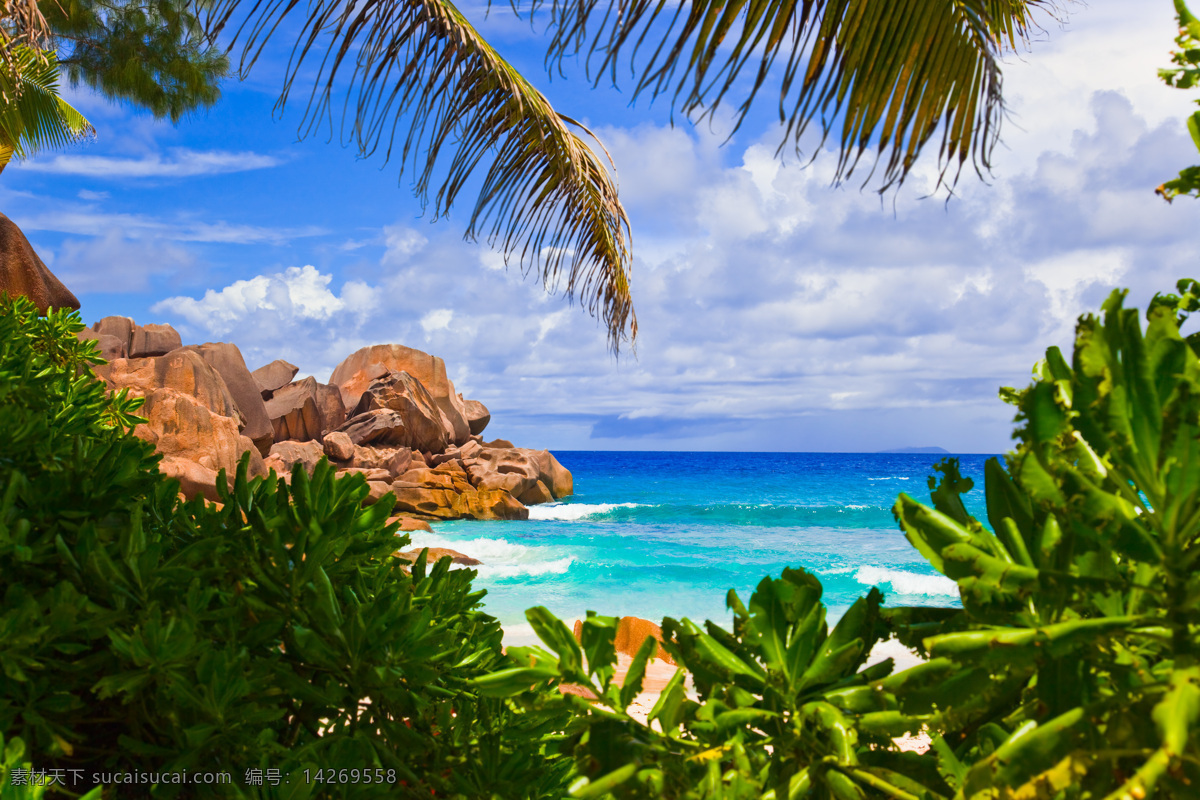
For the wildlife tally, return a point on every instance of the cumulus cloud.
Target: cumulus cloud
(179, 163)
(291, 314)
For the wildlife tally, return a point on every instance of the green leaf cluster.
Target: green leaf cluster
(1184, 75)
(273, 630)
(1071, 670)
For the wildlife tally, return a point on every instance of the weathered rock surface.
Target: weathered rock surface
(338, 446)
(410, 523)
(404, 394)
(418, 440)
(355, 375)
(293, 411)
(153, 340)
(448, 504)
(286, 454)
(274, 376)
(185, 371)
(436, 554)
(631, 632)
(227, 360)
(477, 415)
(110, 347)
(23, 273)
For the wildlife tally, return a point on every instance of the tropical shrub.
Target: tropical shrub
(268, 637)
(1070, 671)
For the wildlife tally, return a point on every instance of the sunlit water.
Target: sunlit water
(668, 534)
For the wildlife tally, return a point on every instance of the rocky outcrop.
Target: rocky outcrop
(355, 375)
(274, 376)
(227, 360)
(22, 273)
(631, 633)
(389, 415)
(154, 340)
(436, 554)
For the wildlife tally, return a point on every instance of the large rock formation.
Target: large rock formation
(23, 273)
(356, 374)
(407, 431)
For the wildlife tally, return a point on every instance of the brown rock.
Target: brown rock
(448, 504)
(257, 467)
(193, 479)
(338, 446)
(436, 554)
(381, 427)
(290, 453)
(22, 273)
(355, 374)
(110, 347)
(154, 340)
(119, 327)
(410, 524)
(293, 411)
(428, 478)
(510, 469)
(400, 462)
(499, 444)
(184, 371)
(381, 475)
(497, 504)
(418, 459)
(477, 415)
(404, 394)
(557, 478)
(330, 407)
(377, 490)
(227, 360)
(515, 484)
(179, 425)
(537, 494)
(274, 376)
(632, 631)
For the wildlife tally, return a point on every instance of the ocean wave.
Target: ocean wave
(892, 478)
(502, 558)
(908, 583)
(573, 511)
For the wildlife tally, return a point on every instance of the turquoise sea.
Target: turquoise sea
(654, 534)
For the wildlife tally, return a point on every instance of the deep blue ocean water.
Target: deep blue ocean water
(668, 534)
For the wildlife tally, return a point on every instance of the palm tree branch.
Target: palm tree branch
(420, 83)
(876, 75)
(38, 118)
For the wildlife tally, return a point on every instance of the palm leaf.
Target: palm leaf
(36, 118)
(545, 196)
(886, 74)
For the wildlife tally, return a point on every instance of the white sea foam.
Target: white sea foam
(909, 583)
(574, 511)
(502, 558)
(892, 478)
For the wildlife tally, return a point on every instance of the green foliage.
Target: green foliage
(1070, 671)
(32, 115)
(17, 781)
(273, 631)
(1185, 75)
(152, 53)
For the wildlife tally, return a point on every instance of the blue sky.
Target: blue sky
(776, 312)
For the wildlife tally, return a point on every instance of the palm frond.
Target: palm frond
(886, 74)
(546, 196)
(37, 118)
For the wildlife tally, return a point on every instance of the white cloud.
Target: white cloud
(88, 194)
(82, 221)
(291, 314)
(437, 320)
(180, 163)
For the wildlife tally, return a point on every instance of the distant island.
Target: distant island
(936, 450)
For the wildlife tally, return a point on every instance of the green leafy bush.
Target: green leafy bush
(274, 632)
(1070, 671)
